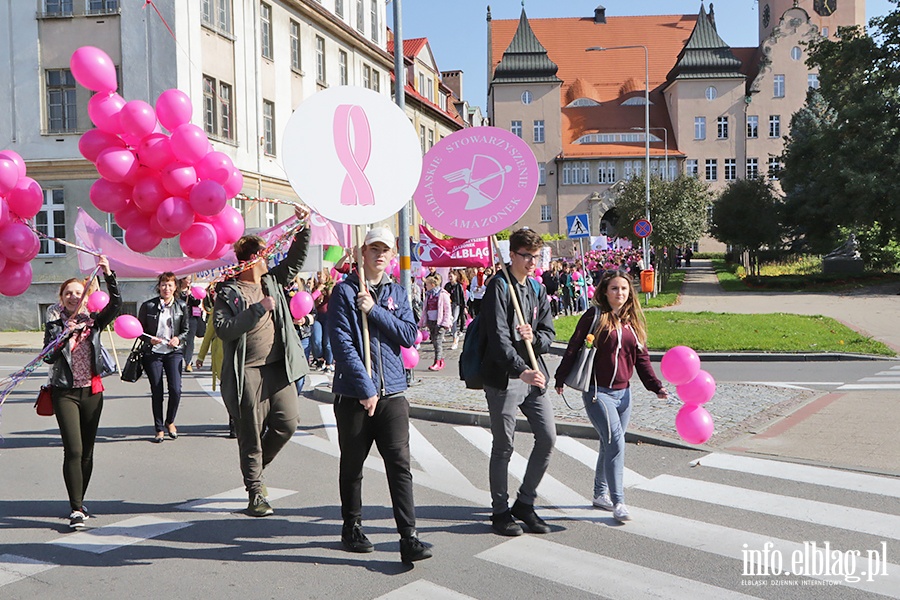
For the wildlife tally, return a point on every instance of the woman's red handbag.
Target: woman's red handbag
(44, 404)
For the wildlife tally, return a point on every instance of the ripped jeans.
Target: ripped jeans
(609, 412)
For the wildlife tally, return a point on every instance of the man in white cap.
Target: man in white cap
(371, 406)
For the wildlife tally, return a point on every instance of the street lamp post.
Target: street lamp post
(646, 245)
(666, 146)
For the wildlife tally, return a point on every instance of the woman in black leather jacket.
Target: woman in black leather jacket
(76, 367)
(165, 324)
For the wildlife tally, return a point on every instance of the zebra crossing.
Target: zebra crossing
(445, 457)
(883, 380)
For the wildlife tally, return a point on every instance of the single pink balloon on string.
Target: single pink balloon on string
(173, 108)
(198, 292)
(301, 304)
(410, 357)
(698, 390)
(97, 301)
(680, 364)
(128, 327)
(694, 424)
(94, 69)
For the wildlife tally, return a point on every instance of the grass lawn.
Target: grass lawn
(668, 295)
(798, 281)
(723, 332)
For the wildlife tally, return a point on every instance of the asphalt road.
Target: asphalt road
(169, 519)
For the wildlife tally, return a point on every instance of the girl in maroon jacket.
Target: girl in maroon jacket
(620, 338)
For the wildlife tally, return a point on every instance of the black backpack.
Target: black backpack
(471, 359)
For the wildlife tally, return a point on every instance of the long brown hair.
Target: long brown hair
(631, 313)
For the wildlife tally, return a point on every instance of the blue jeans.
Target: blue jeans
(609, 412)
(321, 345)
(155, 366)
(304, 342)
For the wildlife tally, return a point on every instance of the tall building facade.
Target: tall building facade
(246, 64)
(574, 89)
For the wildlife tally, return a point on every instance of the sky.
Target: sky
(457, 31)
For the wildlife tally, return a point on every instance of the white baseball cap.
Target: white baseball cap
(380, 234)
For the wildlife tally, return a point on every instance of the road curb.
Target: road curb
(559, 349)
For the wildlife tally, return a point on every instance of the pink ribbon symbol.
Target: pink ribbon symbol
(351, 120)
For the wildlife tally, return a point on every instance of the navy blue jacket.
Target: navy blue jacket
(391, 326)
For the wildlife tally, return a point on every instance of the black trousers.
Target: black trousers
(155, 364)
(77, 411)
(389, 429)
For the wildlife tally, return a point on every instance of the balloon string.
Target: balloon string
(161, 18)
(276, 246)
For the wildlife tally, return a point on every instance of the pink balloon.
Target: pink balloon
(127, 215)
(694, 424)
(216, 166)
(158, 229)
(137, 118)
(17, 242)
(199, 240)
(149, 193)
(189, 143)
(117, 164)
(26, 198)
(110, 196)
(229, 225)
(418, 338)
(410, 357)
(173, 108)
(94, 69)
(235, 183)
(208, 198)
(128, 327)
(469, 319)
(395, 270)
(178, 179)
(16, 158)
(97, 301)
(9, 175)
(104, 109)
(422, 273)
(140, 237)
(576, 275)
(219, 252)
(155, 151)
(426, 335)
(4, 261)
(590, 291)
(4, 212)
(538, 272)
(198, 292)
(15, 278)
(698, 390)
(94, 141)
(175, 214)
(301, 304)
(680, 364)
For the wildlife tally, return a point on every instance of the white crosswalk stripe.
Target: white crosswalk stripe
(598, 574)
(13, 568)
(423, 589)
(124, 533)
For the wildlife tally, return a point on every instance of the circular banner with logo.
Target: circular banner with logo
(476, 182)
(352, 155)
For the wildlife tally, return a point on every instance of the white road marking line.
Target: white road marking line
(423, 589)
(597, 574)
(871, 386)
(799, 509)
(329, 423)
(857, 482)
(124, 533)
(894, 379)
(231, 501)
(14, 568)
(588, 457)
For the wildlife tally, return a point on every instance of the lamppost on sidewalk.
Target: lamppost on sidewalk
(646, 246)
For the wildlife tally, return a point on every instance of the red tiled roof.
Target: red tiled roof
(410, 47)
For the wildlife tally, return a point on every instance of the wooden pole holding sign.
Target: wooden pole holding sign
(520, 318)
(363, 286)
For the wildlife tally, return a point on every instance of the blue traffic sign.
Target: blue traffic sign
(577, 226)
(642, 228)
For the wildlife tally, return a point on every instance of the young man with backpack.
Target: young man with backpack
(511, 382)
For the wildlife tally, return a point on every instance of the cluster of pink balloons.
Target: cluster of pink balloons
(20, 200)
(156, 185)
(681, 367)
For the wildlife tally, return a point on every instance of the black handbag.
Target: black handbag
(133, 368)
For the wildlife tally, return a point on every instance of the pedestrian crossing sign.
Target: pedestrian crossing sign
(577, 226)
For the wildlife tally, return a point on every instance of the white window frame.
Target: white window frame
(712, 169)
(265, 30)
(699, 128)
(812, 81)
(730, 169)
(752, 127)
(269, 127)
(722, 128)
(539, 131)
(542, 174)
(360, 16)
(373, 10)
(515, 127)
(343, 73)
(226, 111)
(295, 46)
(774, 168)
(774, 126)
(778, 86)
(54, 214)
(752, 171)
(692, 167)
(546, 213)
(320, 59)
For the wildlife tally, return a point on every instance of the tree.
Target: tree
(678, 209)
(841, 165)
(748, 214)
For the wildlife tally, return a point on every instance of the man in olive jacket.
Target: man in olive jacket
(262, 358)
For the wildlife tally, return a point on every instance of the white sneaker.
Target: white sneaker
(76, 520)
(620, 513)
(455, 343)
(603, 501)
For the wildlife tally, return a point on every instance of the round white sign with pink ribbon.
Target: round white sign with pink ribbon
(352, 155)
(476, 182)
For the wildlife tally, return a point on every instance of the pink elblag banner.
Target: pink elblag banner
(434, 251)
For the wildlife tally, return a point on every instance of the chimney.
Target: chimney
(600, 14)
(454, 81)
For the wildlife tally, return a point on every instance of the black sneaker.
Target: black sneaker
(412, 549)
(258, 506)
(354, 540)
(526, 514)
(76, 520)
(504, 524)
